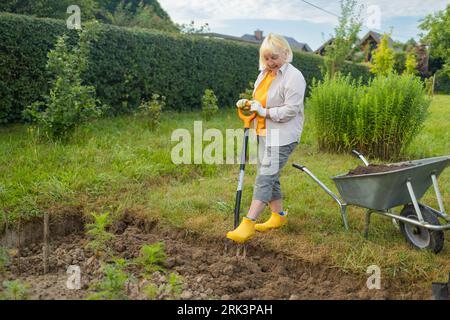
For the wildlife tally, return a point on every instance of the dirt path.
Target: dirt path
(210, 269)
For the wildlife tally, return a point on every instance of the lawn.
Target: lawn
(116, 164)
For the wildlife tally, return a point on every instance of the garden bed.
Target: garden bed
(209, 269)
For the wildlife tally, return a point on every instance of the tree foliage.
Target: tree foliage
(346, 35)
(438, 36)
(383, 58)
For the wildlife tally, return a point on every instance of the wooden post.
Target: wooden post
(5, 218)
(19, 227)
(432, 86)
(45, 248)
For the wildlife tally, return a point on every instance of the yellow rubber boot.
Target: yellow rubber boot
(275, 221)
(245, 231)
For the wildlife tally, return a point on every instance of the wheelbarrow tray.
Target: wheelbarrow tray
(384, 190)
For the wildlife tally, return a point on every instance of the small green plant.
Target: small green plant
(15, 290)
(4, 259)
(174, 285)
(152, 257)
(152, 110)
(113, 284)
(171, 290)
(98, 233)
(69, 102)
(209, 104)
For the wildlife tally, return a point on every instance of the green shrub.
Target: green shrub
(391, 113)
(383, 58)
(379, 119)
(209, 104)
(171, 290)
(15, 290)
(333, 101)
(97, 231)
(127, 66)
(411, 64)
(69, 103)
(151, 110)
(152, 257)
(113, 284)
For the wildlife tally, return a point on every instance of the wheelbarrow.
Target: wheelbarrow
(382, 191)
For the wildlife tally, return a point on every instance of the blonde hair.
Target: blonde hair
(274, 44)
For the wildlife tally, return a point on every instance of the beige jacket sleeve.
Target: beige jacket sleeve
(294, 92)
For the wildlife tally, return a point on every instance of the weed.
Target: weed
(98, 233)
(15, 290)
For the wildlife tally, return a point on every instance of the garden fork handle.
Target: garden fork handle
(247, 119)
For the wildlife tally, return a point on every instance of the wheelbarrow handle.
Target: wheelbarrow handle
(299, 167)
(360, 156)
(341, 204)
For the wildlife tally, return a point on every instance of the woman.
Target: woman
(278, 102)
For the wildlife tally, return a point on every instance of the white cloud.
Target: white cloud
(216, 12)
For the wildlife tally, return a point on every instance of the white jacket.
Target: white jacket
(284, 105)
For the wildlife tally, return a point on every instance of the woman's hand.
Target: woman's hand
(258, 108)
(242, 103)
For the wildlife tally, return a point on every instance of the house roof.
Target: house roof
(252, 39)
(377, 37)
(292, 42)
(327, 43)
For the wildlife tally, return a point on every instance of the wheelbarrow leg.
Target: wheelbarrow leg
(367, 224)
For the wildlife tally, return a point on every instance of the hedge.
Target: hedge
(128, 65)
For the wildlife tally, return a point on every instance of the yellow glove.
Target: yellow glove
(242, 103)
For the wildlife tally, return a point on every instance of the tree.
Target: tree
(142, 16)
(346, 35)
(438, 36)
(192, 29)
(411, 64)
(383, 58)
(50, 8)
(128, 13)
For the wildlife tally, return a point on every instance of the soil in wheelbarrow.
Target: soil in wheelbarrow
(208, 269)
(375, 168)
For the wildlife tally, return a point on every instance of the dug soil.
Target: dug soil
(209, 268)
(375, 168)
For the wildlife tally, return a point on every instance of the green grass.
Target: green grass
(117, 164)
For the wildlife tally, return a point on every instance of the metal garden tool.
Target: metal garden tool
(247, 116)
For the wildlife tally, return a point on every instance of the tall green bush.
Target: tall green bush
(333, 101)
(209, 104)
(379, 119)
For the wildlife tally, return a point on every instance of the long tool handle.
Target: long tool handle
(237, 206)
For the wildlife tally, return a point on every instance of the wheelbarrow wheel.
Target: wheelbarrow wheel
(420, 237)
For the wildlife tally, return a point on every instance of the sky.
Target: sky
(300, 19)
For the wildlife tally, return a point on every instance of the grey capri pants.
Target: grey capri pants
(270, 162)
